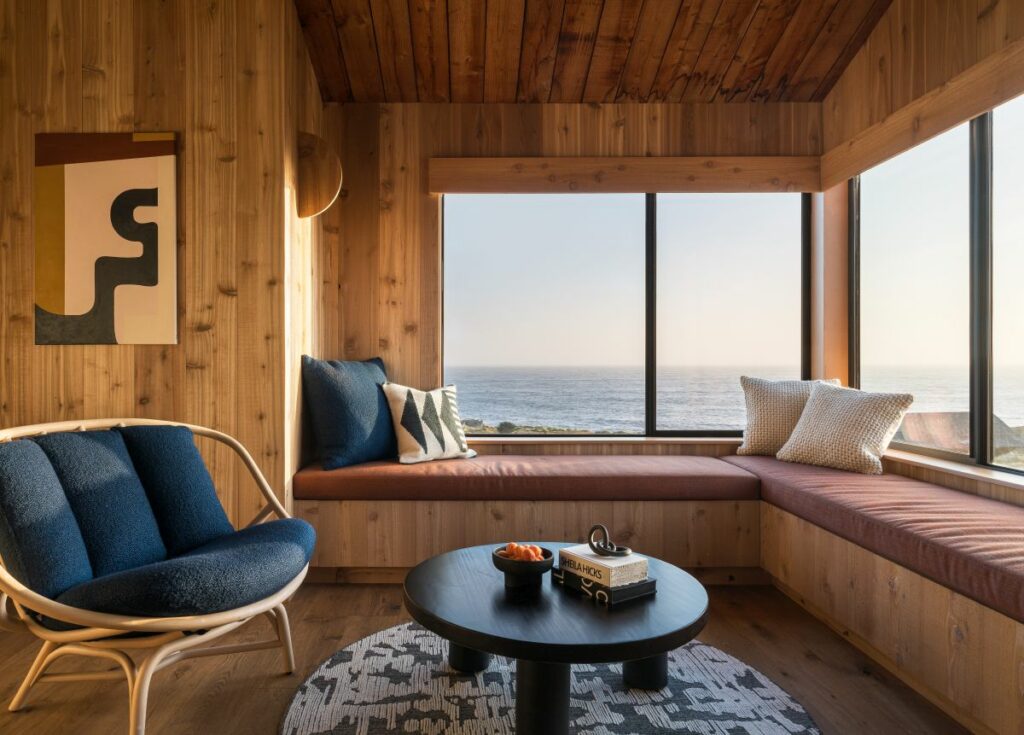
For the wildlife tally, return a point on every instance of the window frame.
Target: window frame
(980, 275)
(651, 327)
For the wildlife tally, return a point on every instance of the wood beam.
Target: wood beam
(993, 80)
(624, 174)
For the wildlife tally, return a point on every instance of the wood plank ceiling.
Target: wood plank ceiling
(583, 50)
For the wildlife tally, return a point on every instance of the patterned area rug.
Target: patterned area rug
(398, 681)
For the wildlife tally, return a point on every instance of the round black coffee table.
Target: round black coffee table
(461, 597)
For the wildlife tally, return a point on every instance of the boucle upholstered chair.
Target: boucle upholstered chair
(112, 540)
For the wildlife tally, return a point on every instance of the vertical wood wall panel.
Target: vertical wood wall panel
(217, 75)
(390, 228)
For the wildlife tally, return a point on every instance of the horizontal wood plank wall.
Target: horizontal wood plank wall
(963, 656)
(358, 533)
(927, 66)
(216, 74)
(637, 174)
(390, 223)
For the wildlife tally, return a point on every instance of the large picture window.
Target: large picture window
(544, 312)
(1008, 275)
(729, 303)
(937, 258)
(624, 314)
(914, 287)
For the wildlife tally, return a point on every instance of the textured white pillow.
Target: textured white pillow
(846, 429)
(773, 410)
(427, 423)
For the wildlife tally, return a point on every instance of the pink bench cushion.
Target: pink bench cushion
(542, 477)
(972, 545)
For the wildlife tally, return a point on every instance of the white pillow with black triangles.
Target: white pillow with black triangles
(427, 423)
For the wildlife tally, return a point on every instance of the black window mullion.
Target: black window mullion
(651, 296)
(806, 280)
(981, 288)
(853, 281)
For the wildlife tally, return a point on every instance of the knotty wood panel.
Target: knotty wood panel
(584, 50)
(913, 78)
(688, 533)
(217, 74)
(964, 657)
(390, 225)
(636, 174)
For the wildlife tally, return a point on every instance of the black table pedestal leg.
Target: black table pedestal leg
(646, 673)
(542, 698)
(467, 660)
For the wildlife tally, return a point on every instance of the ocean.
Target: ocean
(611, 400)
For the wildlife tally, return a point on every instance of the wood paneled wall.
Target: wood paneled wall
(389, 224)
(963, 656)
(234, 81)
(916, 49)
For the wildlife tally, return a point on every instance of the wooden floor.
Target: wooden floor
(844, 691)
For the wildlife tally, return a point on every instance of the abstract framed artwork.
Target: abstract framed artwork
(105, 238)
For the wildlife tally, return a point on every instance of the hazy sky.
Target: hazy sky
(558, 279)
(1008, 234)
(915, 260)
(544, 279)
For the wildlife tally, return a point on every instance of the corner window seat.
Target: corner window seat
(534, 477)
(970, 544)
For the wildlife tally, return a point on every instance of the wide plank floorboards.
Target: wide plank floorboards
(842, 689)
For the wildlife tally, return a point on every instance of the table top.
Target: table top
(461, 596)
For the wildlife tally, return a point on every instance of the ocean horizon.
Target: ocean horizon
(611, 399)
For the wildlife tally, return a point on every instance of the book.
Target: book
(601, 594)
(609, 571)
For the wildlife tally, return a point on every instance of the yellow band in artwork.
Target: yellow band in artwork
(49, 224)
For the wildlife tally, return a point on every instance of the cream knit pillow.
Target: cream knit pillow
(773, 410)
(845, 428)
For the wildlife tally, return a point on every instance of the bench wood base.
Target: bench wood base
(964, 657)
(402, 533)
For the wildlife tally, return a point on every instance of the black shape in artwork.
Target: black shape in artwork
(96, 326)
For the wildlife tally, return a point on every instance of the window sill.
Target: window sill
(959, 469)
(597, 439)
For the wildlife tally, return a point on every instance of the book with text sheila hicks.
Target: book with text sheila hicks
(610, 571)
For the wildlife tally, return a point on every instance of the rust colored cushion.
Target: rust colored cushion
(508, 477)
(970, 544)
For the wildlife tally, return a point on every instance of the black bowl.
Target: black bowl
(523, 573)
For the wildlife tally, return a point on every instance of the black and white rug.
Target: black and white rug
(398, 681)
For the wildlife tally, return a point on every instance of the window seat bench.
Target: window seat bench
(927, 580)
(697, 512)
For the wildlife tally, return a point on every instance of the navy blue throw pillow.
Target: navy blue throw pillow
(178, 485)
(348, 411)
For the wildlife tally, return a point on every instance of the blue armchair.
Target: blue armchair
(112, 539)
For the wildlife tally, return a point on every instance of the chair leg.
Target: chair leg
(284, 634)
(32, 676)
(140, 689)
